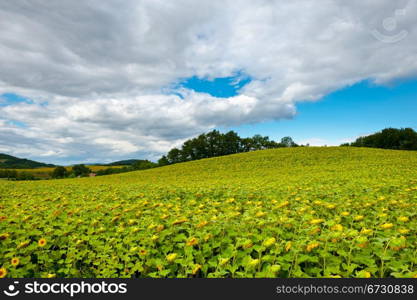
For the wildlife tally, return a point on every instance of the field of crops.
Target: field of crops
(301, 212)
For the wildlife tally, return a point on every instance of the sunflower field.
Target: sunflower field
(299, 212)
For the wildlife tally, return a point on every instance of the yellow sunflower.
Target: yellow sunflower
(171, 257)
(42, 242)
(15, 261)
(192, 242)
(3, 272)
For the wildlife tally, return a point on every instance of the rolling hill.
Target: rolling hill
(298, 212)
(127, 162)
(11, 162)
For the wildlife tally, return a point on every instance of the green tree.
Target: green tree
(59, 172)
(81, 170)
(163, 161)
(288, 142)
(389, 138)
(25, 176)
(214, 144)
(143, 165)
(174, 156)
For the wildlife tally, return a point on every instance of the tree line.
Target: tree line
(83, 171)
(389, 138)
(15, 175)
(214, 144)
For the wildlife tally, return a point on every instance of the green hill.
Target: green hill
(127, 162)
(11, 162)
(298, 212)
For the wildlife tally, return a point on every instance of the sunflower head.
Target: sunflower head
(42, 242)
(253, 262)
(316, 221)
(4, 236)
(23, 244)
(15, 261)
(337, 227)
(3, 272)
(387, 226)
(358, 218)
(192, 242)
(196, 268)
(171, 257)
(312, 246)
(288, 246)
(403, 219)
(269, 242)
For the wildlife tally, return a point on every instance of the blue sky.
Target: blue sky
(11, 99)
(222, 87)
(361, 109)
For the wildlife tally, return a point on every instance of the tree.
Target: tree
(80, 170)
(231, 143)
(25, 176)
(59, 172)
(9, 174)
(174, 156)
(389, 138)
(163, 161)
(143, 165)
(288, 142)
(214, 144)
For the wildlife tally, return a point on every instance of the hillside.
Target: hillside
(127, 162)
(282, 166)
(299, 212)
(11, 162)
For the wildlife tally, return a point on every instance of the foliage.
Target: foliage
(127, 162)
(80, 170)
(109, 171)
(389, 138)
(59, 172)
(16, 175)
(214, 144)
(136, 165)
(299, 212)
(143, 165)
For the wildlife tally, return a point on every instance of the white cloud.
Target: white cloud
(101, 73)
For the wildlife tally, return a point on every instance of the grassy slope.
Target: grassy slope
(268, 171)
(271, 168)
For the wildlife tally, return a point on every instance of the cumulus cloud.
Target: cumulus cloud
(103, 76)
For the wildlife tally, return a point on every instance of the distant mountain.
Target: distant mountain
(127, 162)
(11, 162)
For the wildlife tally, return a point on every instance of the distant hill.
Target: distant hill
(127, 162)
(11, 162)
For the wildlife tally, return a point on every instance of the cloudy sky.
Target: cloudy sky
(96, 81)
